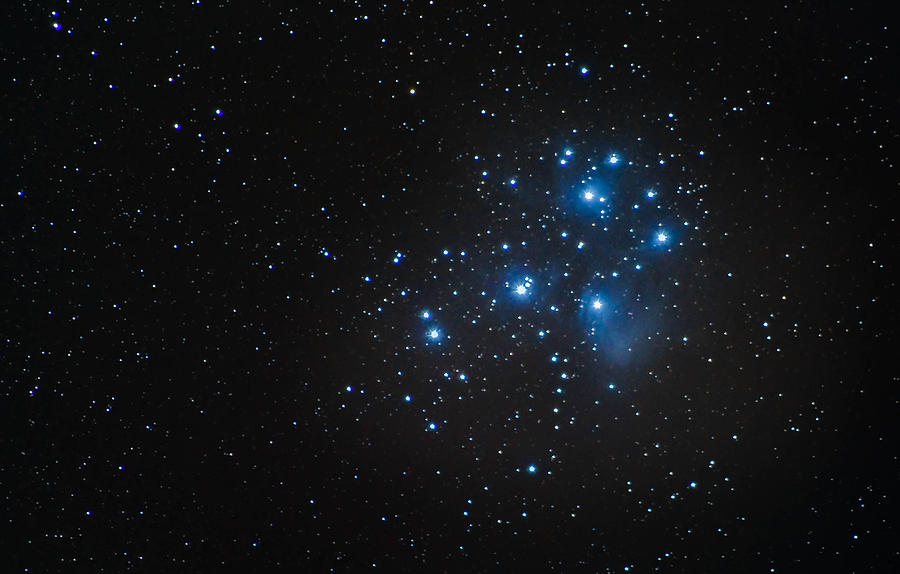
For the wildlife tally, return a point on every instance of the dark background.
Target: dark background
(207, 345)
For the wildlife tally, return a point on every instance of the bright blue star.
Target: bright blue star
(588, 195)
(613, 159)
(523, 287)
(662, 237)
(434, 334)
(584, 71)
(597, 304)
(651, 194)
(532, 469)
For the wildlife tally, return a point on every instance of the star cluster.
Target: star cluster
(415, 286)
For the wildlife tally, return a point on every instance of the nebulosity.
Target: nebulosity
(581, 250)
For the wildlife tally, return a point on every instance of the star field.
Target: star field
(449, 287)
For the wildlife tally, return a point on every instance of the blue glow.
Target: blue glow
(426, 314)
(446, 252)
(613, 159)
(218, 112)
(584, 71)
(662, 237)
(505, 246)
(588, 195)
(597, 304)
(568, 153)
(432, 426)
(434, 334)
(397, 257)
(349, 389)
(523, 287)
(693, 485)
(651, 194)
(532, 469)
(407, 398)
(512, 182)
(611, 386)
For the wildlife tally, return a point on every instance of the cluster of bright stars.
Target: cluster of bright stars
(524, 286)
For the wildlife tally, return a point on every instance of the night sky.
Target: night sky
(449, 287)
